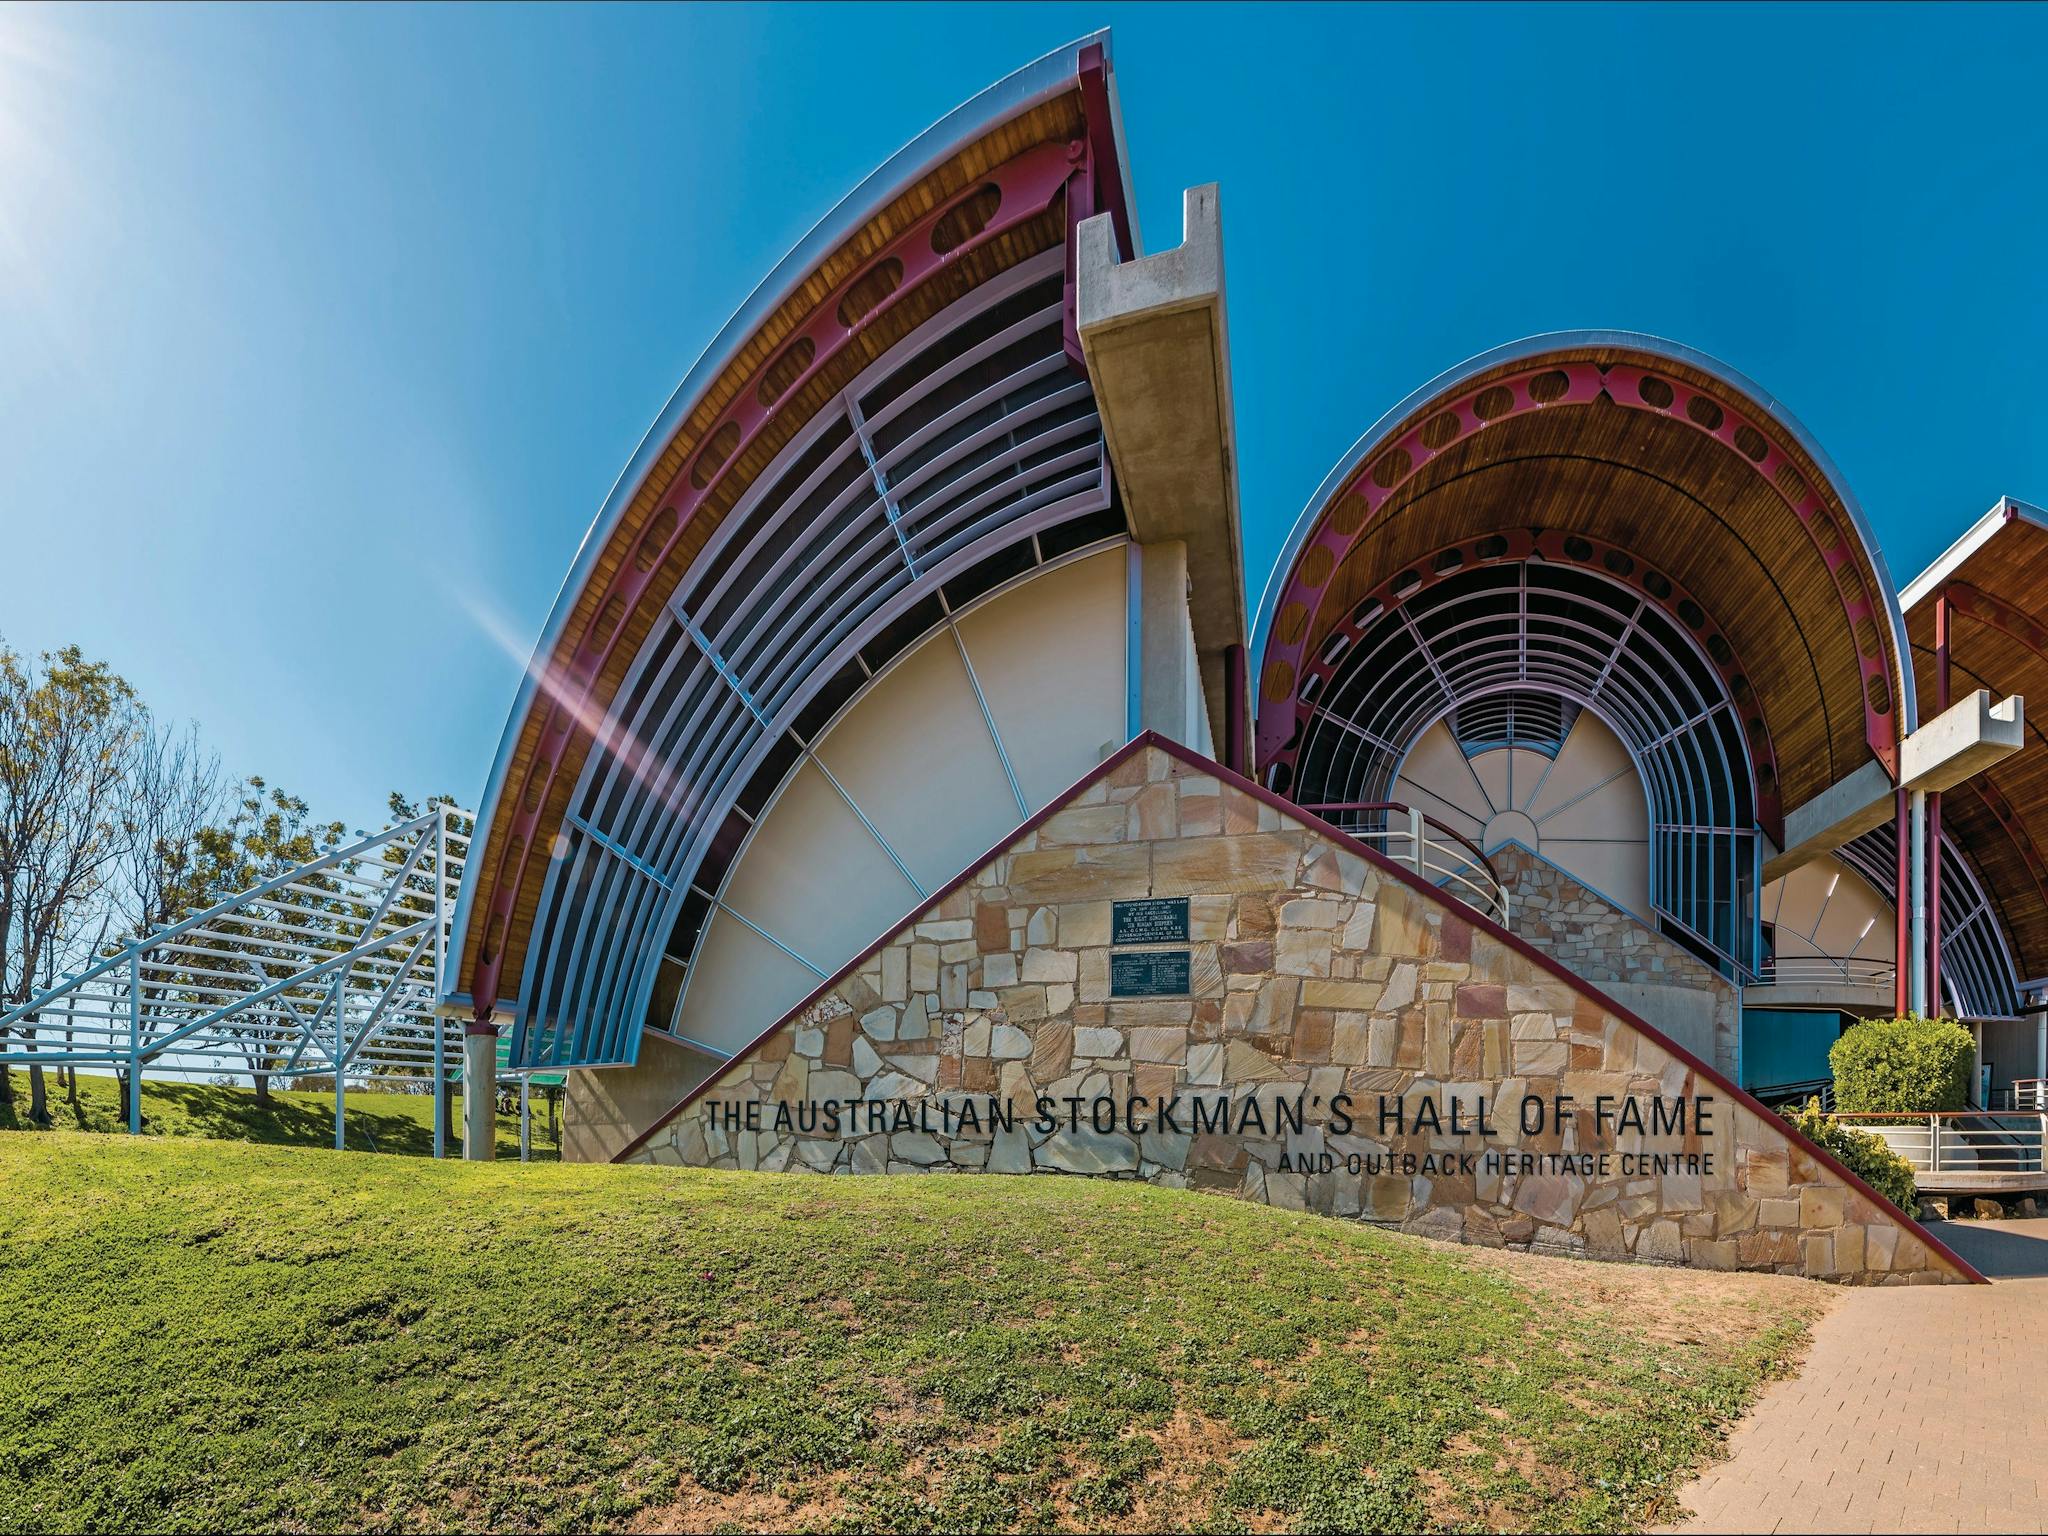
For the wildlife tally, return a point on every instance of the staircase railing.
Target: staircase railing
(1442, 855)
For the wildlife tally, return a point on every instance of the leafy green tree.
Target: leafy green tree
(268, 833)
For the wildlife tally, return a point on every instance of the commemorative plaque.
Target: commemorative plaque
(1157, 920)
(1149, 973)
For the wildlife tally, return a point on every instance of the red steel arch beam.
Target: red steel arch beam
(1026, 187)
(1439, 426)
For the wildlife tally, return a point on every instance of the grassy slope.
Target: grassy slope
(205, 1335)
(374, 1122)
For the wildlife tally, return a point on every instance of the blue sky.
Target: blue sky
(323, 333)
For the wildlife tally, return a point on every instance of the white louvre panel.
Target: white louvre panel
(969, 440)
(1978, 974)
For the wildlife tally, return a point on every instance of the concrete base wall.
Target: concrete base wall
(605, 1108)
(1341, 1039)
(1631, 962)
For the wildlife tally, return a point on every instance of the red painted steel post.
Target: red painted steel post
(1903, 907)
(1941, 702)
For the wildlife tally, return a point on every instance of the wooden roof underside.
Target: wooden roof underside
(2001, 816)
(1675, 498)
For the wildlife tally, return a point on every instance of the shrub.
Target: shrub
(1861, 1153)
(1902, 1067)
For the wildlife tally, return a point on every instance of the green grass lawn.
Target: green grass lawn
(205, 1335)
(374, 1122)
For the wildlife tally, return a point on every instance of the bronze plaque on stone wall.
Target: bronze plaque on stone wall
(1149, 972)
(1156, 920)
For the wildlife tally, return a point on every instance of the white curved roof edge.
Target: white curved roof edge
(2007, 509)
(1037, 82)
(1553, 341)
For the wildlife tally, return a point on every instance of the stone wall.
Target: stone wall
(1638, 967)
(1351, 1043)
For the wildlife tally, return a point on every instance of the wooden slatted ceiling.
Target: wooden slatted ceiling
(2012, 565)
(1059, 121)
(1673, 497)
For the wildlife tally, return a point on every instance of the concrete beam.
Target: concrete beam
(1847, 808)
(1156, 339)
(1963, 740)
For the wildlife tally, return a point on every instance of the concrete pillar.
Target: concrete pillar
(1170, 686)
(479, 1093)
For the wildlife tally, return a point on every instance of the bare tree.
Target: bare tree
(176, 793)
(68, 734)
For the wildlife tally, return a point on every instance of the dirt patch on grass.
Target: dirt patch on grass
(746, 1509)
(1195, 1453)
(1670, 1306)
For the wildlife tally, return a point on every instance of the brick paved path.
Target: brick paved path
(1921, 1408)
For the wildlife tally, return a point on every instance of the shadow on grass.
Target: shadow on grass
(373, 1122)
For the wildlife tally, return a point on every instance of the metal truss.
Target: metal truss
(333, 968)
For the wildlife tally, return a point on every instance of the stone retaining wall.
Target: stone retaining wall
(1371, 1050)
(1588, 935)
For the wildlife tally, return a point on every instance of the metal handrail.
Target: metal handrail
(2028, 1093)
(1935, 1141)
(1822, 970)
(1451, 859)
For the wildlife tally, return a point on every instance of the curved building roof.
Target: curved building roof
(891, 410)
(1996, 580)
(1659, 465)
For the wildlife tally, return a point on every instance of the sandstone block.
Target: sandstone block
(1820, 1207)
(1010, 1152)
(1079, 874)
(1093, 1040)
(1159, 1043)
(1255, 862)
(1088, 1152)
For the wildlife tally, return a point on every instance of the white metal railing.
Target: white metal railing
(1961, 1142)
(330, 968)
(1839, 971)
(2027, 1093)
(1452, 863)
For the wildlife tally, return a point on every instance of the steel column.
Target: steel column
(134, 1042)
(1902, 907)
(440, 1087)
(525, 1118)
(1919, 952)
(340, 1071)
(1941, 702)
